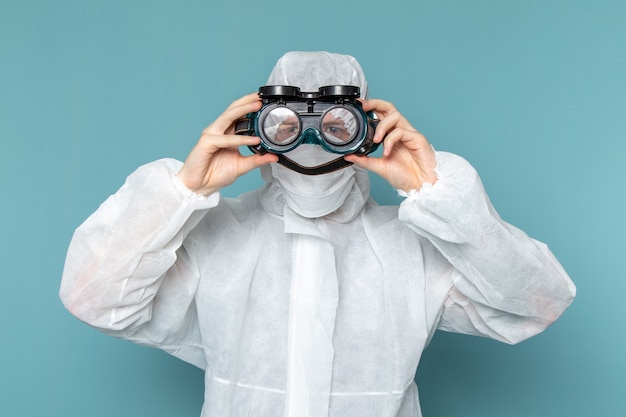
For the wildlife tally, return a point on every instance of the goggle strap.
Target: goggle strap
(331, 166)
(244, 126)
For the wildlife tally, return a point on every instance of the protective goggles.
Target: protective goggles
(331, 117)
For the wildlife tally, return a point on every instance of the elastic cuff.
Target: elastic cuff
(424, 191)
(187, 192)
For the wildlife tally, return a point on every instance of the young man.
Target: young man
(304, 297)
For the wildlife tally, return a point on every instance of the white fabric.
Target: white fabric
(291, 315)
(313, 196)
(309, 379)
(312, 70)
(310, 155)
(223, 275)
(313, 308)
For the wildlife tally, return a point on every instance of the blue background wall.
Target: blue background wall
(533, 93)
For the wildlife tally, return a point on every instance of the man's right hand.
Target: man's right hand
(215, 161)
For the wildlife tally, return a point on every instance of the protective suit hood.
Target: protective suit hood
(320, 195)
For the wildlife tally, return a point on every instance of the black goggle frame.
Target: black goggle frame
(340, 95)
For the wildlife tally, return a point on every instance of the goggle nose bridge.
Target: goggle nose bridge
(311, 135)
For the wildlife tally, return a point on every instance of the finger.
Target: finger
(375, 165)
(248, 98)
(244, 104)
(411, 140)
(390, 141)
(248, 163)
(228, 141)
(386, 125)
(230, 115)
(380, 107)
(388, 114)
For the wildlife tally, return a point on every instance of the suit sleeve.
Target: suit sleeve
(505, 285)
(127, 272)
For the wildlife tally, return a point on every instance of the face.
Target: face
(335, 129)
(333, 126)
(287, 130)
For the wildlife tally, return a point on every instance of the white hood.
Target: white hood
(314, 196)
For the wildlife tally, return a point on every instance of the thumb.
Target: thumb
(251, 162)
(375, 165)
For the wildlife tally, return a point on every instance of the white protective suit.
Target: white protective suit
(306, 298)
